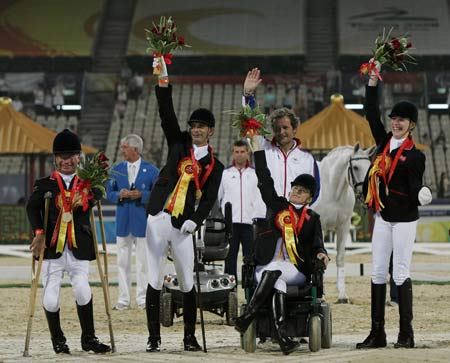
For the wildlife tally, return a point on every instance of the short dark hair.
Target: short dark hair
(284, 112)
(240, 143)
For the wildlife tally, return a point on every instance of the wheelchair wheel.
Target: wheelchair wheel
(166, 311)
(327, 330)
(231, 308)
(249, 339)
(315, 334)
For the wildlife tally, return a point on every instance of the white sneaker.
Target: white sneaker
(120, 306)
(141, 306)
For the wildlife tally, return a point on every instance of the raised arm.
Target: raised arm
(169, 121)
(372, 108)
(265, 181)
(251, 82)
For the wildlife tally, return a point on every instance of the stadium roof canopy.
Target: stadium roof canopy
(20, 135)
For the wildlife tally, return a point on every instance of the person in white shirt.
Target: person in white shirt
(239, 186)
(285, 157)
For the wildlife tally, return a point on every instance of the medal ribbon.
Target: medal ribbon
(65, 208)
(286, 221)
(176, 201)
(383, 163)
(199, 185)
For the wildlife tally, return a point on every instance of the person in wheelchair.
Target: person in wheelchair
(284, 253)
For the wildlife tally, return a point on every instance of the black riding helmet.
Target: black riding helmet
(66, 142)
(306, 181)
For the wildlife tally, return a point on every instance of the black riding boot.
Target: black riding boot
(406, 334)
(377, 336)
(152, 305)
(58, 338)
(263, 291)
(88, 339)
(189, 318)
(287, 345)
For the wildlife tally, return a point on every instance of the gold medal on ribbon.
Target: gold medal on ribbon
(64, 228)
(198, 194)
(284, 223)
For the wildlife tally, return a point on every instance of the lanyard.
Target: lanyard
(66, 204)
(199, 185)
(297, 226)
(407, 142)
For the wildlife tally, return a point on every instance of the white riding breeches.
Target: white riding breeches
(289, 274)
(52, 274)
(160, 235)
(124, 254)
(388, 237)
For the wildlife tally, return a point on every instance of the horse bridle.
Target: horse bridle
(352, 179)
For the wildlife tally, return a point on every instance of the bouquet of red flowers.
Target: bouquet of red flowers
(93, 173)
(250, 121)
(163, 40)
(390, 51)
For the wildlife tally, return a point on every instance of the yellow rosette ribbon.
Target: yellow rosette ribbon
(378, 170)
(175, 203)
(283, 221)
(64, 225)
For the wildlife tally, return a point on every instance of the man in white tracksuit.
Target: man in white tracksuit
(285, 157)
(239, 186)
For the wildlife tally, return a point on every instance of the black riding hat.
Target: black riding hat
(307, 181)
(405, 109)
(66, 142)
(202, 115)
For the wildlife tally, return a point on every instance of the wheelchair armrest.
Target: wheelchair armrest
(318, 266)
(317, 275)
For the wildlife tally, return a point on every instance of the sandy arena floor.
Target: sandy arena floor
(351, 323)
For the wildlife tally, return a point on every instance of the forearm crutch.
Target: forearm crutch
(199, 291)
(103, 279)
(35, 278)
(102, 232)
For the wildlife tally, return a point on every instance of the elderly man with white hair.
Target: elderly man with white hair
(129, 188)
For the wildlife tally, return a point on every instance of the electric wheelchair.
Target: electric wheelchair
(218, 289)
(307, 312)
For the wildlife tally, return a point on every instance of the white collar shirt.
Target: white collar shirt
(200, 151)
(133, 169)
(67, 179)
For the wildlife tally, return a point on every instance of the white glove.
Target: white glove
(159, 61)
(188, 227)
(425, 196)
(257, 142)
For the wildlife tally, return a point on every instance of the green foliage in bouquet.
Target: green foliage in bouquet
(250, 121)
(393, 51)
(93, 172)
(163, 39)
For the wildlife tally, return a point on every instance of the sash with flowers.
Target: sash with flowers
(188, 169)
(290, 225)
(67, 201)
(382, 169)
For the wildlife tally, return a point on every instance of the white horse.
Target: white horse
(342, 174)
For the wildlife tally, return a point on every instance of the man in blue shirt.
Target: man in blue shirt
(129, 187)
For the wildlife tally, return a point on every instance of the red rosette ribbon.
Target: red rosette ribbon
(367, 68)
(84, 190)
